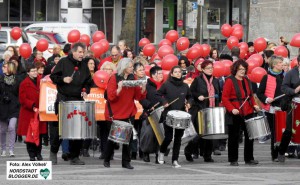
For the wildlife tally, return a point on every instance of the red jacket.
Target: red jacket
(29, 95)
(107, 59)
(122, 105)
(229, 94)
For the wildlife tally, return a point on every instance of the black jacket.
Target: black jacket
(171, 90)
(152, 97)
(81, 78)
(262, 88)
(199, 88)
(9, 99)
(290, 82)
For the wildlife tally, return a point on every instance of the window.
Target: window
(14, 14)
(40, 10)
(3, 11)
(3, 37)
(27, 9)
(59, 39)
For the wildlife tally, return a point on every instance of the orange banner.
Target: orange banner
(48, 96)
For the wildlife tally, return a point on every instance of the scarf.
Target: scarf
(210, 89)
(273, 72)
(158, 84)
(9, 79)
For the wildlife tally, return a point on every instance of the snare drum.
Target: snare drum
(280, 124)
(178, 119)
(77, 120)
(296, 120)
(120, 132)
(257, 127)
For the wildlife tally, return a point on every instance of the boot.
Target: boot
(76, 161)
(133, 155)
(127, 165)
(146, 157)
(39, 157)
(85, 153)
(65, 156)
(53, 158)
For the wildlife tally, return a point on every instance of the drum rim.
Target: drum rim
(169, 112)
(75, 102)
(254, 118)
(296, 99)
(155, 110)
(209, 108)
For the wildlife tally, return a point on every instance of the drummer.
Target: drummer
(291, 87)
(237, 93)
(269, 88)
(122, 107)
(152, 98)
(73, 81)
(204, 86)
(172, 89)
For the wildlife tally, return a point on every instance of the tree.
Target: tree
(129, 25)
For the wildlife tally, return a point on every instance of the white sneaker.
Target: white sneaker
(11, 153)
(3, 153)
(175, 164)
(161, 158)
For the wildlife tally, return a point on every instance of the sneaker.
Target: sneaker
(161, 158)
(175, 164)
(11, 153)
(3, 153)
(77, 161)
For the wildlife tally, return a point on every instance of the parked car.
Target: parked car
(6, 40)
(50, 36)
(63, 28)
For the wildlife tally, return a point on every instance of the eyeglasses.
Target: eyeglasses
(208, 68)
(114, 55)
(242, 69)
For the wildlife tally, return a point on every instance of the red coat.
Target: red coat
(229, 93)
(29, 95)
(122, 105)
(107, 59)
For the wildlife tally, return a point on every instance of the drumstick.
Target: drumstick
(173, 101)
(215, 96)
(278, 97)
(244, 102)
(156, 104)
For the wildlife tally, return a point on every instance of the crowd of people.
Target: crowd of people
(20, 88)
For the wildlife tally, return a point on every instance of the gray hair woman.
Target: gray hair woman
(108, 67)
(125, 67)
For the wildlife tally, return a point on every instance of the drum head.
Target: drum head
(178, 114)
(296, 100)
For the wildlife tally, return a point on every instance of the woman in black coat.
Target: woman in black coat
(172, 89)
(9, 107)
(205, 85)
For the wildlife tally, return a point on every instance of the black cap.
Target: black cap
(250, 44)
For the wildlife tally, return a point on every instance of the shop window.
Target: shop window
(99, 3)
(27, 10)
(97, 18)
(53, 10)
(14, 14)
(4, 11)
(40, 10)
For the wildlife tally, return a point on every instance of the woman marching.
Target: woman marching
(203, 86)
(270, 87)
(237, 97)
(172, 89)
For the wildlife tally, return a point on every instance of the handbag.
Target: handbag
(148, 141)
(33, 132)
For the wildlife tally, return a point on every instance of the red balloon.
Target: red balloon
(154, 57)
(25, 50)
(251, 65)
(97, 49)
(172, 35)
(258, 58)
(101, 79)
(149, 50)
(165, 50)
(97, 36)
(193, 53)
(105, 45)
(260, 44)
(281, 51)
(227, 67)
(164, 42)
(237, 27)
(294, 63)
(169, 61)
(218, 69)
(238, 33)
(198, 46)
(16, 33)
(243, 53)
(159, 62)
(147, 70)
(85, 39)
(205, 49)
(257, 74)
(244, 46)
(73, 36)
(295, 40)
(42, 45)
(143, 42)
(182, 43)
(165, 74)
(226, 30)
(232, 41)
